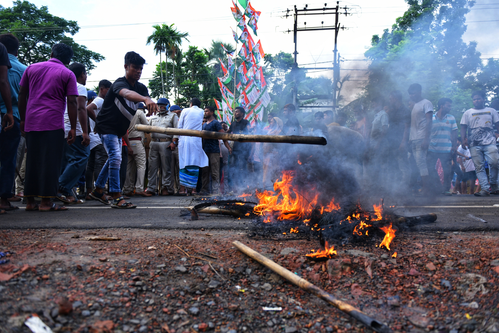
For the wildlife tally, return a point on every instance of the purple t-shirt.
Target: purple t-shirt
(48, 83)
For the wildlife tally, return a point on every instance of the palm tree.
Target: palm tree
(166, 39)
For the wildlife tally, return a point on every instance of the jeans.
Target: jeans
(212, 171)
(111, 170)
(96, 161)
(446, 161)
(123, 165)
(480, 154)
(74, 162)
(9, 140)
(420, 157)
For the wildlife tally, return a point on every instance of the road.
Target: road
(456, 213)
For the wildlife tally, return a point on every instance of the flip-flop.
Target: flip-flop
(63, 198)
(34, 209)
(8, 209)
(54, 208)
(99, 197)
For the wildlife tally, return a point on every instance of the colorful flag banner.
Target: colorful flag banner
(217, 104)
(234, 34)
(262, 78)
(250, 43)
(253, 24)
(250, 11)
(229, 53)
(236, 12)
(258, 52)
(226, 93)
(243, 100)
(239, 87)
(241, 70)
(226, 78)
(242, 24)
(264, 97)
(227, 110)
(244, 36)
(230, 64)
(251, 92)
(243, 52)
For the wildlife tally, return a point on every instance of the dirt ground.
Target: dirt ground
(196, 281)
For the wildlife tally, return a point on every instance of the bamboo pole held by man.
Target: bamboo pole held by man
(308, 140)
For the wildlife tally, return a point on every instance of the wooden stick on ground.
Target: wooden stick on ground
(308, 140)
(311, 288)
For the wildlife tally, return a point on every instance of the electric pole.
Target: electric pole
(336, 59)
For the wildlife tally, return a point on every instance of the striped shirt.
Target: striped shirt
(441, 129)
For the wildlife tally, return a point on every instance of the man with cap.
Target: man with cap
(98, 155)
(136, 166)
(161, 149)
(175, 162)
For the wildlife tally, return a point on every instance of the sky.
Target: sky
(113, 28)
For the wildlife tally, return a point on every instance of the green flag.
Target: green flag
(243, 3)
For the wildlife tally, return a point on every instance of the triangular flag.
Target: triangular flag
(243, 53)
(226, 78)
(224, 70)
(251, 92)
(243, 100)
(262, 78)
(244, 3)
(253, 24)
(230, 64)
(239, 87)
(250, 11)
(241, 70)
(226, 93)
(217, 104)
(227, 112)
(258, 52)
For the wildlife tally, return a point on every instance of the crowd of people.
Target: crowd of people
(59, 140)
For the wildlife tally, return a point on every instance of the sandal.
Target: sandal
(33, 209)
(54, 208)
(8, 209)
(125, 205)
(99, 197)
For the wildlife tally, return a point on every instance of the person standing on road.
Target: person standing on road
(45, 86)
(76, 155)
(136, 166)
(420, 131)
(118, 109)
(190, 149)
(175, 162)
(443, 144)
(212, 150)
(481, 121)
(161, 150)
(240, 155)
(98, 155)
(10, 136)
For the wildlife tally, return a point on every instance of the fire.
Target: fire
(244, 195)
(394, 255)
(332, 206)
(389, 236)
(378, 211)
(299, 162)
(361, 227)
(293, 231)
(290, 203)
(328, 252)
(240, 203)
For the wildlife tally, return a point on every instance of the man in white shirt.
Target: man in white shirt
(420, 131)
(75, 155)
(481, 122)
(98, 155)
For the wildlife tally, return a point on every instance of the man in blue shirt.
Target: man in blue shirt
(9, 137)
(443, 144)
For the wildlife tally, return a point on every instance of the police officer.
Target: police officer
(161, 147)
(136, 166)
(175, 162)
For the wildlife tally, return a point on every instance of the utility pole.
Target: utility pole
(336, 59)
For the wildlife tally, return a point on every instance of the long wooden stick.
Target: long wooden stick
(311, 288)
(308, 140)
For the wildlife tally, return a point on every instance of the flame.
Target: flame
(378, 211)
(389, 236)
(299, 162)
(244, 195)
(240, 203)
(288, 202)
(332, 206)
(294, 230)
(394, 255)
(360, 227)
(328, 252)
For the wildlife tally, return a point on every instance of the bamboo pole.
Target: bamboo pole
(310, 140)
(311, 288)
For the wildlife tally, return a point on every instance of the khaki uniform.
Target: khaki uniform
(136, 166)
(160, 155)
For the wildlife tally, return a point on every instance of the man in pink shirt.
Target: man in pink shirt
(42, 102)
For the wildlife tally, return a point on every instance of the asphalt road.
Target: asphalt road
(456, 213)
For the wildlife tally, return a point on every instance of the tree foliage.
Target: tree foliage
(38, 30)
(425, 46)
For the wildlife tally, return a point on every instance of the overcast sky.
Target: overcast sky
(113, 28)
